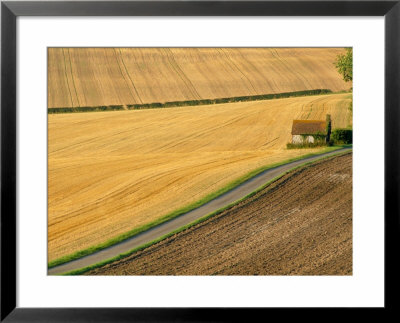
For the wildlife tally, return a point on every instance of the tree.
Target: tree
(328, 127)
(344, 65)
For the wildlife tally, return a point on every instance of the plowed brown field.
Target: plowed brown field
(299, 225)
(121, 76)
(110, 172)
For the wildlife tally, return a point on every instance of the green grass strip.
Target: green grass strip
(174, 104)
(183, 210)
(202, 219)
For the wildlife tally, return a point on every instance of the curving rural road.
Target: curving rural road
(169, 226)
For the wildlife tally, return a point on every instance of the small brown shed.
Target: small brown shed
(308, 131)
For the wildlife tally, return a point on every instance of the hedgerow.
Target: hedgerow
(172, 104)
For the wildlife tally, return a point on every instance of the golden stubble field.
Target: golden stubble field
(110, 172)
(121, 76)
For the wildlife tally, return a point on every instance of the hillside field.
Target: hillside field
(80, 77)
(109, 172)
(299, 225)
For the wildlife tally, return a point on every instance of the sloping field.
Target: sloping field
(110, 172)
(120, 76)
(300, 225)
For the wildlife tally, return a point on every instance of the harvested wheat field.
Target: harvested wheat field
(299, 225)
(110, 172)
(80, 77)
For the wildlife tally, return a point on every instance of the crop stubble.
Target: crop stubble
(300, 225)
(121, 76)
(110, 172)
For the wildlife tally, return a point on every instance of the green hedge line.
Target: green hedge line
(342, 136)
(191, 102)
(85, 109)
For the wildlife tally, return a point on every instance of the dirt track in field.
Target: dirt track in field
(300, 225)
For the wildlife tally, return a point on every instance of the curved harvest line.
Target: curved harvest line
(129, 76)
(180, 73)
(66, 78)
(72, 77)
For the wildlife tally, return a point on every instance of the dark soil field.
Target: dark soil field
(299, 225)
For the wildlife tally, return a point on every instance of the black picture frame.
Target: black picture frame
(10, 10)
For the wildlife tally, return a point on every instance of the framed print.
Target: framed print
(195, 160)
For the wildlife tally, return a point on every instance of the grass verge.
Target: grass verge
(144, 246)
(305, 145)
(183, 210)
